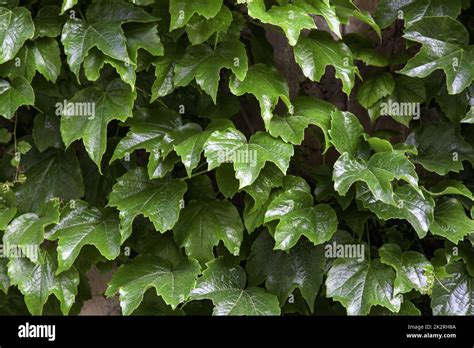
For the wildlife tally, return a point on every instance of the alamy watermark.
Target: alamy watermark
(238, 156)
(85, 109)
(392, 108)
(346, 251)
(11, 251)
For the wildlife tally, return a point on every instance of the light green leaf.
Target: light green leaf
(444, 46)
(266, 85)
(315, 52)
(203, 224)
(199, 29)
(224, 285)
(375, 88)
(92, 110)
(360, 285)
(204, 64)
(248, 158)
(413, 270)
(451, 221)
(80, 225)
(13, 94)
(454, 294)
(378, 173)
(16, 26)
(159, 200)
(38, 281)
(173, 281)
(346, 132)
(307, 110)
(181, 11)
(410, 205)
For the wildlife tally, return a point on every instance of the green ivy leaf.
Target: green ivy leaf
(451, 221)
(360, 285)
(80, 225)
(4, 279)
(27, 231)
(13, 94)
(42, 55)
(346, 132)
(204, 64)
(444, 46)
(200, 29)
(378, 173)
(51, 174)
(266, 85)
(315, 52)
(181, 11)
(173, 281)
(413, 270)
(224, 285)
(203, 224)
(290, 18)
(16, 26)
(92, 110)
(410, 205)
(307, 110)
(64, 286)
(7, 207)
(159, 200)
(248, 158)
(283, 272)
(375, 88)
(454, 294)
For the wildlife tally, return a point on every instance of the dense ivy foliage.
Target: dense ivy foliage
(162, 140)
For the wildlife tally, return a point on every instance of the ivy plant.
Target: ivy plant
(237, 157)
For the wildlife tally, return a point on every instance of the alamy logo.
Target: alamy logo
(401, 109)
(84, 109)
(240, 156)
(37, 331)
(346, 251)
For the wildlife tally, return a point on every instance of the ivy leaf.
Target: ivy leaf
(48, 22)
(93, 109)
(315, 52)
(203, 224)
(346, 9)
(80, 225)
(378, 173)
(294, 208)
(156, 131)
(324, 9)
(260, 190)
(266, 85)
(199, 29)
(67, 5)
(16, 26)
(410, 205)
(41, 55)
(454, 294)
(451, 221)
(159, 200)
(144, 36)
(290, 18)
(51, 174)
(375, 88)
(172, 281)
(412, 268)
(7, 207)
(13, 94)
(283, 272)
(307, 110)
(190, 149)
(441, 149)
(46, 282)
(4, 279)
(413, 10)
(451, 187)
(27, 231)
(444, 46)
(248, 158)
(224, 285)
(346, 132)
(360, 285)
(204, 64)
(182, 10)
